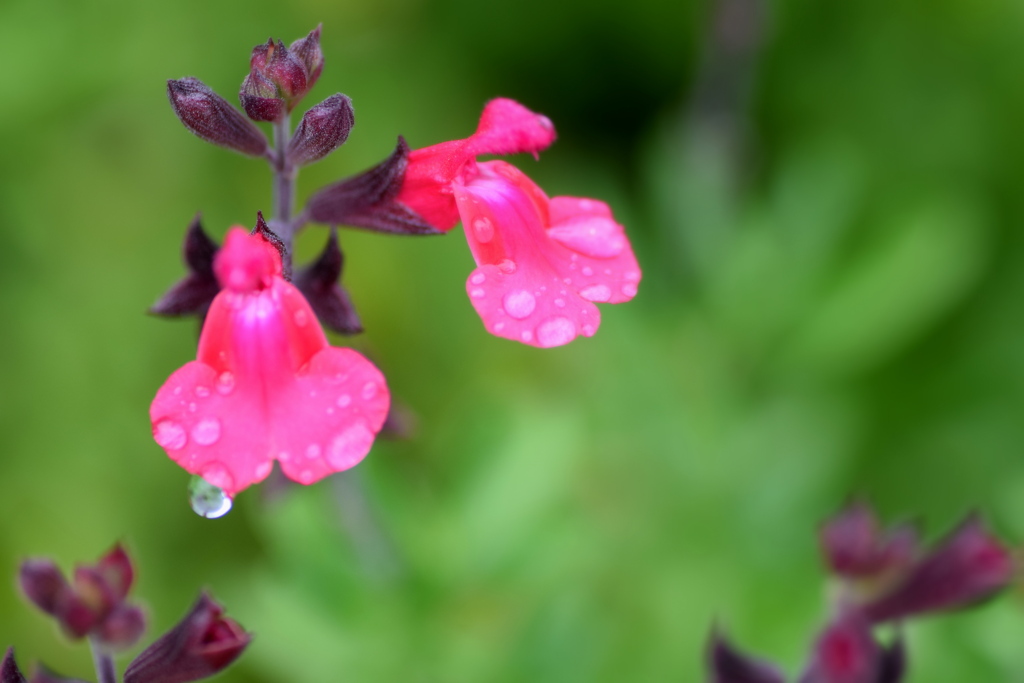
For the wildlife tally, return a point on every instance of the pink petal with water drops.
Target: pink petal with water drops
(266, 386)
(542, 263)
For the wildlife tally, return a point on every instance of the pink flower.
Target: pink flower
(541, 262)
(265, 385)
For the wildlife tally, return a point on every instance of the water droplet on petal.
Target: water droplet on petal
(560, 303)
(207, 500)
(301, 318)
(588, 330)
(225, 383)
(202, 392)
(313, 451)
(170, 435)
(526, 336)
(477, 293)
(478, 279)
(588, 271)
(284, 456)
(263, 469)
(595, 236)
(207, 431)
(499, 327)
(629, 289)
(369, 390)
(177, 391)
(483, 229)
(306, 477)
(632, 276)
(556, 332)
(192, 407)
(519, 304)
(597, 293)
(349, 447)
(508, 267)
(343, 400)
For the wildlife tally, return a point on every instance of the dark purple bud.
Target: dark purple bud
(367, 200)
(275, 72)
(855, 547)
(212, 118)
(193, 294)
(967, 567)
(9, 671)
(893, 664)
(322, 130)
(318, 282)
(45, 675)
(308, 51)
(43, 584)
(116, 569)
(263, 230)
(122, 628)
(202, 644)
(728, 665)
(259, 98)
(845, 652)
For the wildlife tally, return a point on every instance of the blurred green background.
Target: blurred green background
(826, 200)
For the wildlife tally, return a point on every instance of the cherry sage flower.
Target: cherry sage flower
(542, 262)
(265, 384)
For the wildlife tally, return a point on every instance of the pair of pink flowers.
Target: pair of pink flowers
(267, 386)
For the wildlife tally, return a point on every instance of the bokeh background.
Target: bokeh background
(826, 198)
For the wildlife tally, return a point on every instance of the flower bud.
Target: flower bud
(318, 282)
(728, 665)
(308, 51)
(43, 584)
(368, 201)
(969, 566)
(855, 547)
(9, 671)
(258, 97)
(122, 628)
(323, 129)
(203, 643)
(845, 653)
(209, 116)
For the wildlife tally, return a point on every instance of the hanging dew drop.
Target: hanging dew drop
(206, 499)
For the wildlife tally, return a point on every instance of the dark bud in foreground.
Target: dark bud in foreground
(9, 671)
(728, 665)
(367, 200)
(319, 283)
(970, 565)
(193, 293)
(201, 645)
(845, 652)
(854, 545)
(212, 118)
(264, 231)
(93, 604)
(322, 130)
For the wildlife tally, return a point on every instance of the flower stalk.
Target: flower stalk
(104, 663)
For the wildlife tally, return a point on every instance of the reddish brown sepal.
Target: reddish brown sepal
(193, 293)
(212, 118)
(726, 664)
(322, 130)
(319, 283)
(9, 671)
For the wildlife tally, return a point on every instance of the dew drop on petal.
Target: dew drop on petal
(597, 293)
(556, 332)
(477, 293)
(526, 336)
(499, 327)
(632, 276)
(170, 435)
(284, 456)
(629, 289)
(344, 400)
(369, 390)
(207, 500)
(478, 279)
(306, 477)
(507, 266)
(225, 383)
(206, 431)
(192, 407)
(301, 318)
(519, 304)
(560, 303)
(588, 330)
(177, 391)
(483, 229)
(349, 447)
(588, 271)
(202, 392)
(313, 451)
